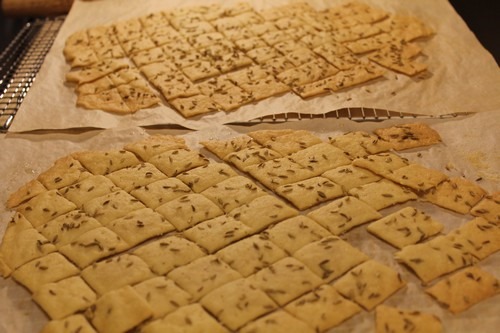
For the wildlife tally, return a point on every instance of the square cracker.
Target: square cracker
(119, 311)
(394, 57)
(154, 145)
(68, 227)
(323, 308)
(140, 225)
(343, 214)
(233, 192)
(201, 178)
(50, 268)
(95, 71)
(279, 321)
(72, 323)
(359, 144)
(434, 258)
(310, 192)
(296, 232)
(96, 244)
(285, 280)
(417, 177)
(88, 189)
(222, 148)
(330, 257)
(135, 176)
(457, 194)
(350, 176)
(104, 162)
(464, 289)
(369, 284)
(163, 295)
(250, 255)
(382, 194)
(116, 272)
(479, 237)
(488, 208)
(237, 303)
(398, 320)
(262, 212)
(405, 227)
(382, 164)
(193, 315)
(173, 162)
(65, 297)
(45, 207)
(408, 136)
(64, 172)
(250, 156)
(162, 191)
(111, 206)
(216, 233)
(265, 87)
(167, 253)
(320, 157)
(293, 142)
(189, 210)
(203, 275)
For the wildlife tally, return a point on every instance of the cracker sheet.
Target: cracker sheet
(468, 149)
(463, 76)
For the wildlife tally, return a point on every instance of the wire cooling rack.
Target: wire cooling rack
(20, 62)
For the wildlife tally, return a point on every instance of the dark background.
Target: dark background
(482, 17)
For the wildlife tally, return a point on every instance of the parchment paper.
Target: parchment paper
(463, 76)
(469, 149)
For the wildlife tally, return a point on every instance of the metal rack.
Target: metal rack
(20, 63)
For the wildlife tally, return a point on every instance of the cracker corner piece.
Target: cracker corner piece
(154, 145)
(408, 136)
(119, 311)
(64, 172)
(391, 319)
(369, 283)
(25, 193)
(74, 323)
(488, 208)
(278, 322)
(107, 100)
(464, 289)
(382, 194)
(195, 105)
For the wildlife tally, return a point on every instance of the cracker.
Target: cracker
(111, 206)
(320, 157)
(330, 257)
(279, 321)
(50, 268)
(250, 255)
(173, 162)
(392, 58)
(45, 207)
(167, 253)
(388, 318)
(135, 176)
(417, 177)
(65, 297)
(277, 65)
(456, 194)
(382, 194)
(237, 303)
(140, 225)
(488, 208)
(222, 148)
(162, 191)
(310, 192)
(434, 258)
(119, 311)
(104, 162)
(69, 324)
(96, 71)
(408, 136)
(95, 87)
(124, 75)
(303, 55)
(249, 43)
(250, 156)
(262, 211)
(116, 272)
(356, 32)
(200, 70)
(64, 172)
(138, 95)
(203, 275)
(68, 227)
(25, 192)
(371, 43)
(285, 280)
(233, 192)
(189, 210)
(405, 227)
(343, 214)
(478, 237)
(149, 56)
(162, 295)
(154, 145)
(193, 315)
(381, 164)
(264, 88)
(142, 43)
(323, 308)
(359, 144)
(350, 176)
(195, 105)
(201, 178)
(296, 232)
(291, 142)
(464, 289)
(88, 189)
(96, 244)
(232, 61)
(216, 233)
(369, 284)
(247, 74)
(307, 72)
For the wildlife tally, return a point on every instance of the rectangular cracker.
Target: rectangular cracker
(88, 189)
(111, 206)
(350, 176)
(45, 207)
(194, 105)
(382, 194)
(395, 319)
(69, 324)
(408, 136)
(417, 177)
(135, 176)
(251, 156)
(104, 162)
(265, 87)
(320, 157)
(154, 145)
(162, 191)
(488, 208)
(381, 164)
(201, 178)
(174, 162)
(278, 321)
(287, 143)
(107, 100)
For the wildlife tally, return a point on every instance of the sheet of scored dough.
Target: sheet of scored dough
(468, 149)
(463, 76)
